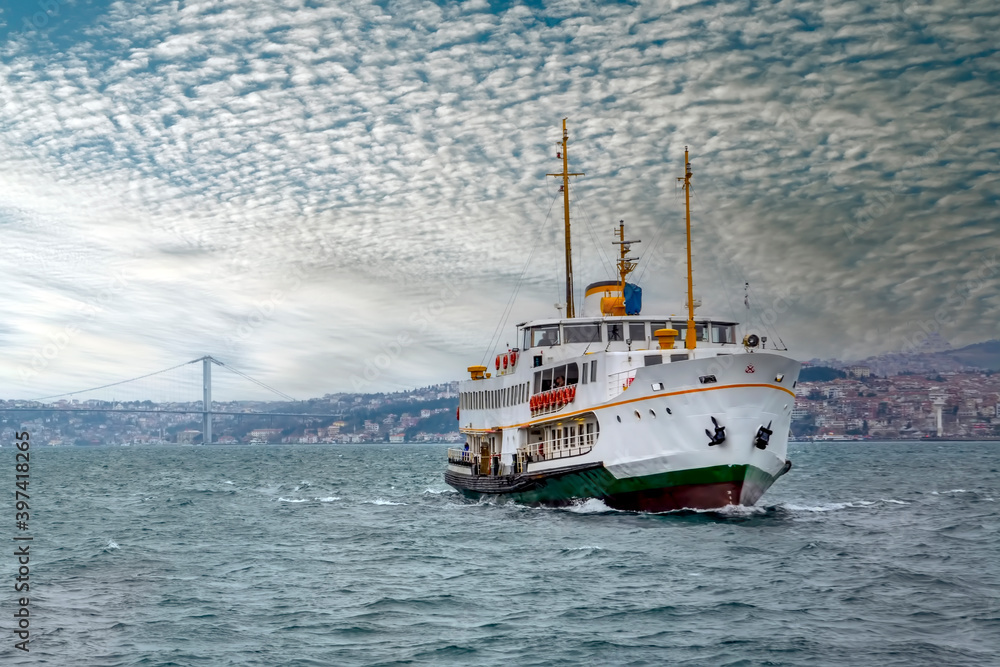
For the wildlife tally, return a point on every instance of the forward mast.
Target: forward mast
(565, 174)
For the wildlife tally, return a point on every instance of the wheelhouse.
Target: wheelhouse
(637, 333)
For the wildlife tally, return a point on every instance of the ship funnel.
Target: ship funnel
(603, 298)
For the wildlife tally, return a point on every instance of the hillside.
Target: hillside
(984, 355)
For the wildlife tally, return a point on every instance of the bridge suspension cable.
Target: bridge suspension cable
(256, 382)
(114, 384)
(213, 360)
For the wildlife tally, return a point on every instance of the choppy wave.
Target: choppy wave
(815, 569)
(382, 501)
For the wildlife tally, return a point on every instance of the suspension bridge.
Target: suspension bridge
(133, 396)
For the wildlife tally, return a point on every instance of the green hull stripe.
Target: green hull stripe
(599, 482)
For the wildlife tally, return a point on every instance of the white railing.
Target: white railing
(549, 450)
(460, 456)
(619, 382)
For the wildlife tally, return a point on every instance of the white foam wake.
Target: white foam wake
(382, 501)
(591, 506)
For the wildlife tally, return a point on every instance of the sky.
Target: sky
(344, 196)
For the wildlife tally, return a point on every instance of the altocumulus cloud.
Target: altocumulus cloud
(292, 186)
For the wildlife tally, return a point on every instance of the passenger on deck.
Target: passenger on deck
(560, 381)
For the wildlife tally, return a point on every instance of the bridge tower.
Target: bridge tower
(206, 417)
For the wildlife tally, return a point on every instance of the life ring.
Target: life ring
(572, 393)
(505, 361)
(546, 399)
(564, 395)
(513, 357)
(533, 402)
(498, 362)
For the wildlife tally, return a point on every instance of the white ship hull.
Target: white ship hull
(650, 451)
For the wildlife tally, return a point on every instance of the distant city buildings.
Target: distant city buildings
(903, 406)
(863, 404)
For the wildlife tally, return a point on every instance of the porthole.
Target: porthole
(619, 418)
(637, 415)
(652, 414)
(669, 411)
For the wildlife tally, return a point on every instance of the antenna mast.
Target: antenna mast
(689, 337)
(625, 264)
(570, 311)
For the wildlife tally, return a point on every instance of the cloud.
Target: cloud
(213, 150)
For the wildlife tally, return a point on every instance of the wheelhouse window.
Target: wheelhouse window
(637, 331)
(544, 336)
(614, 332)
(724, 333)
(581, 333)
(700, 332)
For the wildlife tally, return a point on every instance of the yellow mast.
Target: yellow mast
(625, 264)
(689, 336)
(570, 311)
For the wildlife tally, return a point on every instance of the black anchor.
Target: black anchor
(763, 436)
(720, 434)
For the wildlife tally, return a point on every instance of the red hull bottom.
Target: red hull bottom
(692, 496)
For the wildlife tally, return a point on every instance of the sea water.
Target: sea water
(864, 554)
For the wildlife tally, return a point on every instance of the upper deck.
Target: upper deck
(545, 340)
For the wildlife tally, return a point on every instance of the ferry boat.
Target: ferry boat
(648, 413)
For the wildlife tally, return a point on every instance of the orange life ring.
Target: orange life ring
(498, 362)
(546, 399)
(564, 395)
(513, 357)
(572, 393)
(505, 361)
(533, 402)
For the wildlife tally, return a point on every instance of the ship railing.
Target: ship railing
(552, 400)
(619, 382)
(549, 450)
(460, 457)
